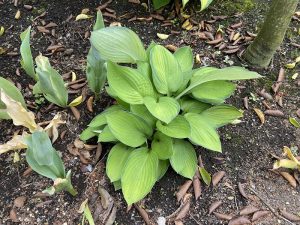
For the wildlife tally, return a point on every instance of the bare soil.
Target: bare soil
(247, 147)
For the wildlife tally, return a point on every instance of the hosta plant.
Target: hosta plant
(165, 108)
(160, 3)
(48, 81)
(40, 154)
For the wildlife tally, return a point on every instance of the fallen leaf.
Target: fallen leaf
(242, 190)
(276, 113)
(260, 115)
(13, 215)
(222, 216)
(1, 31)
(259, 214)
(83, 17)
(183, 189)
(290, 216)
(184, 211)
(246, 102)
(239, 221)
(18, 15)
(20, 201)
(206, 177)
(143, 213)
(197, 59)
(74, 76)
(265, 94)
(290, 65)
(248, 210)
(162, 36)
(217, 177)
(214, 206)
(289, 178)
(294, 122)
(77, 101)
(197, 187)
(294, 77)
(89, 104)
(298, 113)
(16, 143)
(75, 112)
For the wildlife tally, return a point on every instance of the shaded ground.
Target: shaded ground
(246, 146)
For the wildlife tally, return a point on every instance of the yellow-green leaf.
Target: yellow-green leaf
(206, 177)
(294, 122)
(77, 101)
(83, 17)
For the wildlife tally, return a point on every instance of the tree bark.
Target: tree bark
(268, 40)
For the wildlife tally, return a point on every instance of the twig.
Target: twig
(270, 207)
(195, 219)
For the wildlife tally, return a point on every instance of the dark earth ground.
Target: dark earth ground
(246, 146)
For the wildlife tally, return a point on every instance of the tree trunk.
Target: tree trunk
(268, 40)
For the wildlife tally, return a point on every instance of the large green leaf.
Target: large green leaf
(42, 157)
(185, 58)
(205, 4)
(163, 166)
(204, 75)
(177, 128)
(162, 145)
(129, 129)
(118, 44)
(203, 132)
(106, 135)
(143, 112)
(116, 160)
(184, 159)
(129, 85)
(214, 92)
(27, 60)
(95, 71)
(165, 109)
(140, 174)
(88, 133)
(160, 3)
(188, 104)
(12, 91)
(221, 115)
(100, 119)
(166, 73)
(51, 83)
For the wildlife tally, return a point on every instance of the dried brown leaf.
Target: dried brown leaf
(214, 206)
(246, 102)
(183, 189)
(197, 187)
(89, 104)
(289, 178)
(143, 213)
(242, 190)
(75, 112)
(259, 214)
(248, 210)
(222, 216)
(184, 211)
(239, 221)
(20, 201)
(276, 113)
(260, 115)
(217, 177)
(290, 216)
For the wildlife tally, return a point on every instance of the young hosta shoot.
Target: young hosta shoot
(44, 160)
(13, 92)
(164, 107)
(48, 81)
(96, 65)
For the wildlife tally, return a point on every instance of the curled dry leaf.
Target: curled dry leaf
(178, 222)
(222, 216)
(16, 143)
(298, 113)
(265, 94)
(217, 177)
(260, 115)
(197, 187)
(162, 36)
(89, 104)
(184, 211)
(13, 215)
(143, 213)
(98, 153)
(239, 221)
(276, 113)
(75, 112)
(20, 201)
(242, 190)
(52, 128)
(183, 189)
(78, 143)
(259, 214)
(172, 48)
(289, 178)
(248, 210)
(19, 115)
(83, 17)
(290, 216)
(214, 206)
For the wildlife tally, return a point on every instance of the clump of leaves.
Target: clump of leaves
(164, 107)
(40, 154)
(48, 81)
